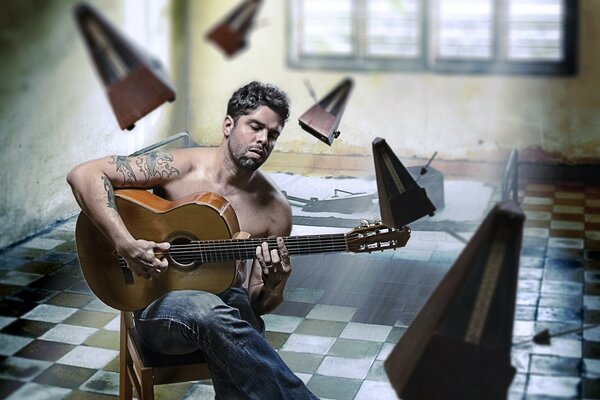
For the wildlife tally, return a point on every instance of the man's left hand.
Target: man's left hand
(275, 263)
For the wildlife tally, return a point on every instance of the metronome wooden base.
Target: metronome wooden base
(227, 40)
(130, 127)
(137, 95)
(452, 369)
(318, 123)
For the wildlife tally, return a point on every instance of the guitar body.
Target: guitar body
(205, 216)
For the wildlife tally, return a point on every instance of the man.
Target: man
(226, 327)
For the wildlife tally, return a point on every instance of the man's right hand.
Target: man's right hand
(144, 258)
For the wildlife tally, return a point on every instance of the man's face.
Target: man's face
(252, 137)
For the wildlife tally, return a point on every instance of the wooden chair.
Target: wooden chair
(141, 368)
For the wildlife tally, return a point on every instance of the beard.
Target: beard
(247, 164)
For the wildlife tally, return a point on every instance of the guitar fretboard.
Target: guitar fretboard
(245, 249)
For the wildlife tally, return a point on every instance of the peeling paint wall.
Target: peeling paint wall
(463, 117)
(53, 111)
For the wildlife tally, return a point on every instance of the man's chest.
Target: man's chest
(252, 218)
(251, 214)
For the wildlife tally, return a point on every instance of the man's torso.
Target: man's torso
(253, 205)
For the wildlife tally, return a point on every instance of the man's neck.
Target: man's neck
(228, 173)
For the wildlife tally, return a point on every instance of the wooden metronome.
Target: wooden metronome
(459, 344)
(401, 199)
(323, 119)
(230, 34)
(135, 83)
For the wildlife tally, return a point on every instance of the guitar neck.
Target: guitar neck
(245, 249)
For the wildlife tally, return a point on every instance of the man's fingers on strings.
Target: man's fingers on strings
(276, 261)
(283, 252)
(266, 253)
(163, 246)
(162, 264)
(282, 247)
(261, 260)
(275, 257)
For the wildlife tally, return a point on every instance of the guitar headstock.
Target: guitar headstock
(375, 236)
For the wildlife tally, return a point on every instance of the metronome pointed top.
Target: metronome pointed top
(347, 81)
(511, 209)
(80, 9)
(377, 141)
(84, 10)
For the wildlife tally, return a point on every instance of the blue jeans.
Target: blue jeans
(243, 364)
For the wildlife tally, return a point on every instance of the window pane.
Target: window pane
(535, 30)
(392, 28)
(477, 36)
(325, 27)
(464, 29)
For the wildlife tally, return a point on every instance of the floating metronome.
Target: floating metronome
(323, 119)
(135, 83)
(459, 344)
(401, 199)
(230, 34)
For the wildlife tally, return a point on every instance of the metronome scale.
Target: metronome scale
(114, 68)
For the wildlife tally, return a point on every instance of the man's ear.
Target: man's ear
(228, 124)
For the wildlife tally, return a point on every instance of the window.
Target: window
(503, 36)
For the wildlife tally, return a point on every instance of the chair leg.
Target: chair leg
(125, 386)
(147, 384)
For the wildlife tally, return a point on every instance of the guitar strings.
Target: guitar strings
(214, 253)
(250, 247)
(211, 248)
(238, 244)
(253, 243)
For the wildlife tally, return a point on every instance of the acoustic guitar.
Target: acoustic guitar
(203, 253)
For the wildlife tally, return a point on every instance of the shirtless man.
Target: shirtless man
(226, 327)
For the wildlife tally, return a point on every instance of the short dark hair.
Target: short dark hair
(255, 94)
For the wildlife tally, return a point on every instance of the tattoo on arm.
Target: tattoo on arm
(123, 165)
(157, 164)
(110, 194)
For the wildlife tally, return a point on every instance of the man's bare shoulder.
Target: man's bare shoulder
(265, 184)
(195, 157)
(195, 152)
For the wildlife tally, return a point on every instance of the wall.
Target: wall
(54, 114)
(53, 110)
(476, 118)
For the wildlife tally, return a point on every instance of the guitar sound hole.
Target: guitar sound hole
(183, 253)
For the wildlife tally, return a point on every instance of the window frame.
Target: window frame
(427, 63)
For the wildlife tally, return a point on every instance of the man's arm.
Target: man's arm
(93, 184)
(272, 267)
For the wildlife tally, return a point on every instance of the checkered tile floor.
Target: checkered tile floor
(342, 316)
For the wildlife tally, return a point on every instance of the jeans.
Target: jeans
(242, 363)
